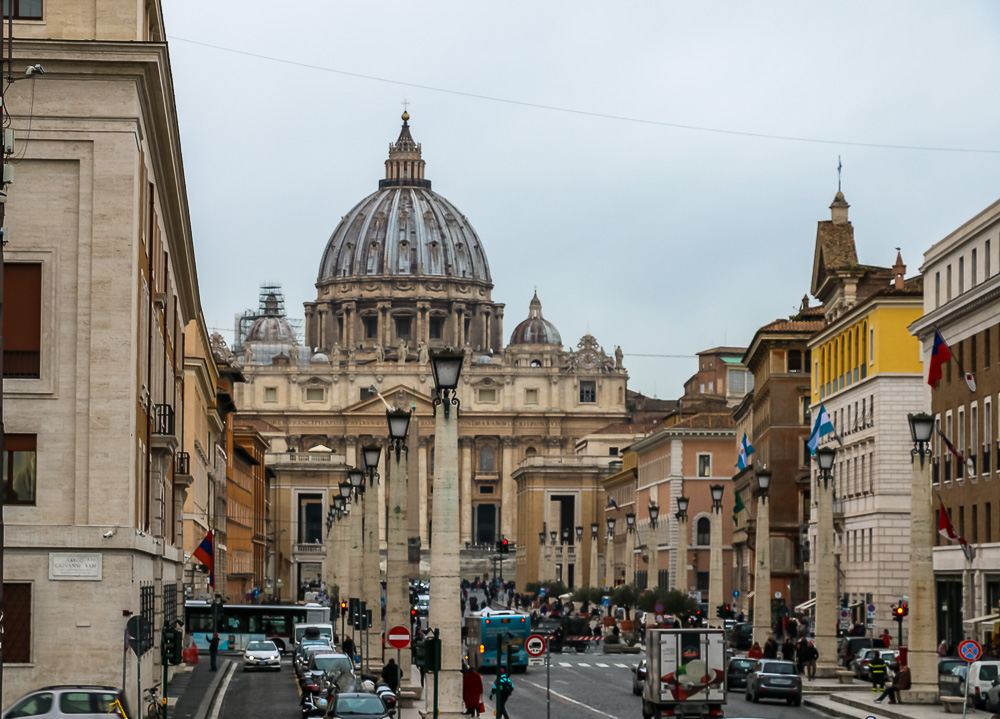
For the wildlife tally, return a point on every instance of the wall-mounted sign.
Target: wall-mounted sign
(76, 566)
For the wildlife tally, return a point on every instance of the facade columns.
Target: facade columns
(371, 590)
(609, 561)
(465, 494)
(422, 493)
(630, 556)
(653, 568)
(762, 628)
(508, 490)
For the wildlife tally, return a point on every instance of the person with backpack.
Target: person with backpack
(502, 688)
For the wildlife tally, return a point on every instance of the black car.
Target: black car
(638, 677)
(741, 636)
(358, 706)
(951, 680)
(774, 678)
(736, 672)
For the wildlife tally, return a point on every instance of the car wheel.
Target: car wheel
(797, 701)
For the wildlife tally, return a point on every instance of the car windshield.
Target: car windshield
(332, 664)
(742, 665)
(261, 647)
(778, 668)
(359, 704)
(947, 665)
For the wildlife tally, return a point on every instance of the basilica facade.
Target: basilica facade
(402, 275)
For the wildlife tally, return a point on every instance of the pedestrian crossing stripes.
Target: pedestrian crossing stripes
(599, 664)
(590, 663)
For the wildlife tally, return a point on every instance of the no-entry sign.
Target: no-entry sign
(535, 645)
(398, 637)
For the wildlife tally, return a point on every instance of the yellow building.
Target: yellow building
(868, 375)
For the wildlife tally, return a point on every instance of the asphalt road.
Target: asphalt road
(587, 686)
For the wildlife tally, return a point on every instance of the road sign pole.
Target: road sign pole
(399, 663)
(548, 680)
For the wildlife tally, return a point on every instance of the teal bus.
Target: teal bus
(486, 632)
(240, 624)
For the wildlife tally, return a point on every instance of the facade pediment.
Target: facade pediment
(399, 396)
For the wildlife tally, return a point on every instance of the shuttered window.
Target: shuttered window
(17, 623)
(22, 319)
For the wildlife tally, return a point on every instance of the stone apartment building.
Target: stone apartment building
(961, 295)
(101, 266)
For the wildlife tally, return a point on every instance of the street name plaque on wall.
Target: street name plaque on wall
(75, 566)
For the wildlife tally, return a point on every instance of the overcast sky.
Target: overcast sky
(662, 239)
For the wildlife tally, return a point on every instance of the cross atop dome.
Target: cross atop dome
(405, 166)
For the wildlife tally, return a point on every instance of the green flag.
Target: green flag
(737, 508)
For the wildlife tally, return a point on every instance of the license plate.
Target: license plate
(781, 682)
(950, 679)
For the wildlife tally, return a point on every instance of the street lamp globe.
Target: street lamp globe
(541, 538)
(399, 423)
(565, 535)
(682, 507)
(356, 477)
(345, 489)
(370, 455)
(630, 520)
(611, 524)
(552, 537)
(824, 457)
(763, 481)
(446, 366)
(717, 491)
(594, 528)
(579, 532)
(654, 514)
(921, 427)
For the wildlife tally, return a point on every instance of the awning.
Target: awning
(856, 604)
(986, 619)
(806, 605)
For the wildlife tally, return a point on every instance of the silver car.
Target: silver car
(262, 655)
(69, 702)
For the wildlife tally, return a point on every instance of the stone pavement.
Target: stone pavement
(861, 705)
(193, 689)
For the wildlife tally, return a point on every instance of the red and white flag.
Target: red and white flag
(947, 531)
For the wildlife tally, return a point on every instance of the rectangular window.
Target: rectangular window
(314, 394)
(17, 623)
(403, 327)
(986, 347)
(871, 345)
(795, 360)
(22, 330)
(947, 283)
(487, 395)
(310, 518)
(975, 524)
(973, 434)
(24, 9)
(704, 465)
(588, 391)
(986, 260)
(987, 434)
(988, 512)
(961, 521)
(702, 580)
(737, 381)
(961, 275)
(960, 443)
(270, 394)
(974, 268)
(371, 327)
(531, 396)
(863, 474)
(20, 468)
(436, 328)
(937, 290)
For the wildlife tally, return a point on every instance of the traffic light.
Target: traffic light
(730, 612)
(901, 610)
(343, 607)
(504, 546)
(170, 647)
(428, 654)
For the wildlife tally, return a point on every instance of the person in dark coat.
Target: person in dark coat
(902, 682)
(788, 650)
(213, 649)
(348, 647)
(392, 674)
(770, 648)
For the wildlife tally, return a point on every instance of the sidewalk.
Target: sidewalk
(193, 689)
(861, 705)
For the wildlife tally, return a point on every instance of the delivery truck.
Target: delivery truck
(685, 673)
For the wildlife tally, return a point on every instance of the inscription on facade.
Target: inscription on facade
(75, 566)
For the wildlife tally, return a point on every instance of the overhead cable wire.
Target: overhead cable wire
(588, 113)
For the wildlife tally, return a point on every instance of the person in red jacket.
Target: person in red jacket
(755, 651)
(886, 638)
(472, 692)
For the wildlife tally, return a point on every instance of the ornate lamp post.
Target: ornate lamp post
(762, 562)
(592, 580)
(609, 554)
(923, 620)
(541, 556)
(715, 597)
(826, 567)
(630, 548)
(553, 535)
(371, 573)
(681, 558)
(445, 610)
(397, 558)
(653, 567)
(356, 479)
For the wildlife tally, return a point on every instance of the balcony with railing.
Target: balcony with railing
(21, 364)
(310, 549)
(986, 459)
(164, 439)
(182, 470)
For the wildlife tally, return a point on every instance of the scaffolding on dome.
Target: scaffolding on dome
(271, 303)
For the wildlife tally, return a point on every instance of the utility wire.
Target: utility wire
(588, 113)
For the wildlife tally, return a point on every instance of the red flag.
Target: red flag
(947, 531)
(940, 354)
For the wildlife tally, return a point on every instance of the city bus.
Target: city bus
(240, 624)
(484, 632)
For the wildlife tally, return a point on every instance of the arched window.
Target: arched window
(704, 531)
(530, 452)
(486, 459)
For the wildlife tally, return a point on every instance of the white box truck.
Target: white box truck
(685, 673)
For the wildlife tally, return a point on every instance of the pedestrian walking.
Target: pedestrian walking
(800, 655)
(348, 647)
(755, 652)
(788, 650)
(770, 648)
(392, 675)
(886, 638)
(502, 688)
(902, 682)
(812, 654)
(472, 692)
(213, 649)
(879, 672)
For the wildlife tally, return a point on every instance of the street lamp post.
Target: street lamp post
(653, 568)
(826, 568)
(609, 554)
(371, 573)
(578, 556)
(444, 614)
(553, 536)
(592, 580)
(762, 562)
(715, 597)
(357, 481)
(397, 556)
(630, 537)
(681, 571)
(541, 556)
(344, 541)
(923, 620)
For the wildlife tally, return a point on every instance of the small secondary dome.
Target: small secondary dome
(272, 327)
(536, 330)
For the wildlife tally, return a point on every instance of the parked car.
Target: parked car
(324, 664)
(304, 653)
(982, 675)
(70, 702)
(951, 676)
(774, 678)
(262, 655)
(737, 671)
(849, 647)
(993, 697)
(638, 677)
(357, 706)
(860, 662)
(741, 638)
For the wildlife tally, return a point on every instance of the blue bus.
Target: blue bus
(485, 631)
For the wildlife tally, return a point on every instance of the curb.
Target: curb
(207, 707)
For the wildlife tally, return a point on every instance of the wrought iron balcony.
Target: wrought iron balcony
(183, 463)
(163, 419)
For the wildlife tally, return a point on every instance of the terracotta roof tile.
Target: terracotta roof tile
(794, 326)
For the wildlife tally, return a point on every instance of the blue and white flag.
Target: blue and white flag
(746, 449)
(822, 426)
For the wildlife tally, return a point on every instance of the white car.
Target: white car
(262, 655)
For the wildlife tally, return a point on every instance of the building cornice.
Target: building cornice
(985, 295)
